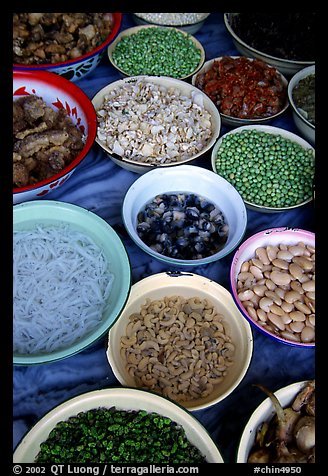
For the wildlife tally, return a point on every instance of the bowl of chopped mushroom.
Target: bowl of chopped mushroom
(282, 428)
(54, 127)
(181, 336)
(69, 44)
(154, 121)
(272, 279)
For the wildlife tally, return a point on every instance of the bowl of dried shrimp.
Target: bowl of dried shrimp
(152, 345)
(272, 279)
(69, 44)
(282, 428)
(54, 127)
(147, 122)
(245, 90)
(71, 276)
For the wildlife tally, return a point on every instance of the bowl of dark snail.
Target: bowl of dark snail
(282, 428)
(184, 215)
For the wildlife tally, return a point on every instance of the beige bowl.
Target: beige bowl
(236, 121)
(123, 399)
(136, 29)
(187, 285)
(187, 90)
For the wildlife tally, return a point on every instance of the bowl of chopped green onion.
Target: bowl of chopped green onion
(156, 50)
(118, 425)
(271, 168)
(301, 94)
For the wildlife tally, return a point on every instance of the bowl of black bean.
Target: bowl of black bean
(184, 215)
(283, 40)
(118, 425)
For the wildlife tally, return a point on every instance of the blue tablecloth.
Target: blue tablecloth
(99, 186)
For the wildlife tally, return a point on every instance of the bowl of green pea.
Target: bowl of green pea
(156, 50)
(118, 425)
(272, 168)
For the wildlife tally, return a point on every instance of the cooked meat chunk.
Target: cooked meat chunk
(45, 140)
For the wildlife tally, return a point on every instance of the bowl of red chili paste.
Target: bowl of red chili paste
(245, 90)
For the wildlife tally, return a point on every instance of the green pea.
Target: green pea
(280, 171)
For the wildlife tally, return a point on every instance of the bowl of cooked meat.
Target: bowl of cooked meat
(54, 127)
(245, 90)
(69, 44)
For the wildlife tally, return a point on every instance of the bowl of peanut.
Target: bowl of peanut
(272, 278)
(181, 336)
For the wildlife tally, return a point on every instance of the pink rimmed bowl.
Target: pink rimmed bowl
(246, 251)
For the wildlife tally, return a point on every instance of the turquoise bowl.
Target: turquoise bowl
(28, 215)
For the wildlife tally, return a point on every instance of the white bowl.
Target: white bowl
(236, 121)
(136, 29)
(270, 130)
(186, 89)
(187, 285)
(263, 413)
(123, 399)
(188, 27)
(246, 251)
(29, 215)
(193, 179)
(285, 66)
(305, 127)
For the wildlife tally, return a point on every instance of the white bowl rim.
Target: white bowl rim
(135, 29)
(303, 73)
(299, 233)
(158, 79)
(184, 168)
(271, 130)
(266, 405)
(238, 119)
(99, 331)
(127, 394)
(207, 285)
(275, 58)
(175, 26)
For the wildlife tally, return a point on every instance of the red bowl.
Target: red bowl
(75, 69)
(58, 93)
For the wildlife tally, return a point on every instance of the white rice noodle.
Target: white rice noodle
(62, 283)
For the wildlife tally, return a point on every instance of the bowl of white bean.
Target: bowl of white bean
(147, 122)
(152, 344)
(72, 278)
(272, 279)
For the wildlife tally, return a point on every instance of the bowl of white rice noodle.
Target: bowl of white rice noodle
(71, 280)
